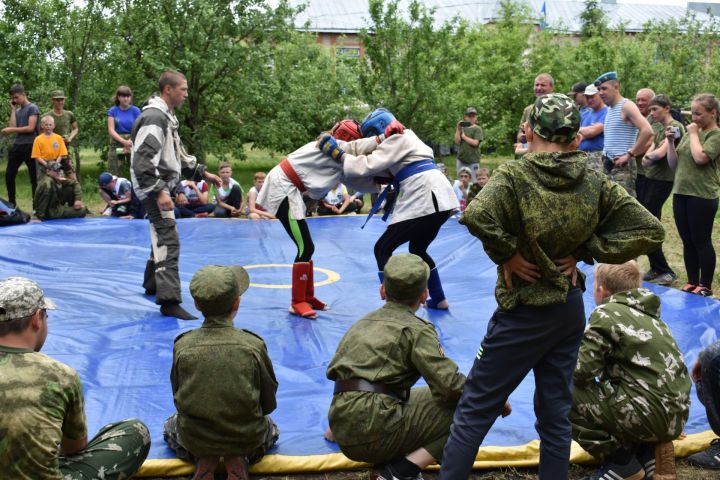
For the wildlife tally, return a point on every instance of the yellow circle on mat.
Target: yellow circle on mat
(332, 276)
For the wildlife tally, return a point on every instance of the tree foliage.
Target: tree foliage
(254, 79)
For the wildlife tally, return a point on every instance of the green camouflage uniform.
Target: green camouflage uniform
(54, 199)
(222, 378)
(631, 384)
(559, 207)
(41, 402)
(392, 346)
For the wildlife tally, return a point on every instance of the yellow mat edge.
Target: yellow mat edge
(488, 457)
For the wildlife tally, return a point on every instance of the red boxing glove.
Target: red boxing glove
(393, 128)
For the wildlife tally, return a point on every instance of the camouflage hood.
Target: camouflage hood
(558, 170)
(640, 299)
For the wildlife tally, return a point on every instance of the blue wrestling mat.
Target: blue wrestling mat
(107, 329)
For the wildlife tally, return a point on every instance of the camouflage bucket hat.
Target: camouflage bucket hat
(555, 117)
(53, 166)
(215, 288)
(406, 277)
(20, 297)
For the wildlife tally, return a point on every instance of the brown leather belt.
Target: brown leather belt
(292, 174)
(361, 385)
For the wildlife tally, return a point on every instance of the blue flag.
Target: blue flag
(543, 21)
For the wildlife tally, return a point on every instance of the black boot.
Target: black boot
(175, 310)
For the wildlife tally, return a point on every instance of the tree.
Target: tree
(594, 20)
(408, 66)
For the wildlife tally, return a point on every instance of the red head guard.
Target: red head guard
(346, 130)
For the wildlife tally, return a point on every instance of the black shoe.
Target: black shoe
(664, 279)
(709, 458)
(615, 471)
(646, 457)
(650, 275)
(387, 473)
(175, 310)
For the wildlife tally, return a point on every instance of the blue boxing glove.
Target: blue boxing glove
(328, 145)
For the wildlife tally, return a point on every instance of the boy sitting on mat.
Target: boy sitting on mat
(632, 389)
(375, 415)
(223, 382)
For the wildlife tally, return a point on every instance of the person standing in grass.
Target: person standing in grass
(696, 161)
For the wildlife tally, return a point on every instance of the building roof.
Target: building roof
(351, 16)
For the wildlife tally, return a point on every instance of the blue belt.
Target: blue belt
(404, 173)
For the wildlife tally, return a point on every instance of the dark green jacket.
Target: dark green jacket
(394, 347)
(549, 206)
(223, 385)
(55, 199)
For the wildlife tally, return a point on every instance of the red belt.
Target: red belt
(292, 174)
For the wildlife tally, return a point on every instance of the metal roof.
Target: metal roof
(351, 16)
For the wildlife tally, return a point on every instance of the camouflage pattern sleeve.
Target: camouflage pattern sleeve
(74, 424)
(441, 374)
(42, 199)
(268, 382)
(77, 190)
(625, 230)
(491, 216)
(595, 345)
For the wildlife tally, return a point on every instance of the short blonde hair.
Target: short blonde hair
(222, 165)
(259, 176)
(618, 278)
(483, 171)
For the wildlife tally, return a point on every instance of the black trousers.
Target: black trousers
(694, 217)
(545, 340)
(234, 199)
(654, 195)
(298, 231)
(708, 388)
(420, 232)
(18, 155)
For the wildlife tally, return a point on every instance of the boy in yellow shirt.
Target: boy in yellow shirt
(51, 146)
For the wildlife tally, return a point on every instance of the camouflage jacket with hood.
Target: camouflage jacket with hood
(548, 206)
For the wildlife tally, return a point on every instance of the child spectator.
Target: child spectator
(120, 121)
(51, 146)
(632, 389)
(481, 179)
(461, 186)
(192, 199)
(57, 197)
(227, 198)
(223, 382)
(337, 202)
(255, 211)
(119, 197)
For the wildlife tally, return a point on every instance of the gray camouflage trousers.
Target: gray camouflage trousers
(116, 453)
(605, 418)
(173, 439)
(625, 176)
(595, 161)
(162, 277)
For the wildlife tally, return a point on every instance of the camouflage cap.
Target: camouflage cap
(54, 166)
(555, 117)
(406, 277)
(20, 297)
(57, 94)
(215, 288)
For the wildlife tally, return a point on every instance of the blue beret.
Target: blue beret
(605, 77)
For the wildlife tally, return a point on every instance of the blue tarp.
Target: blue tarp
(113, 334)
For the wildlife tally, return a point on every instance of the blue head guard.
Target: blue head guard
(375, 122)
